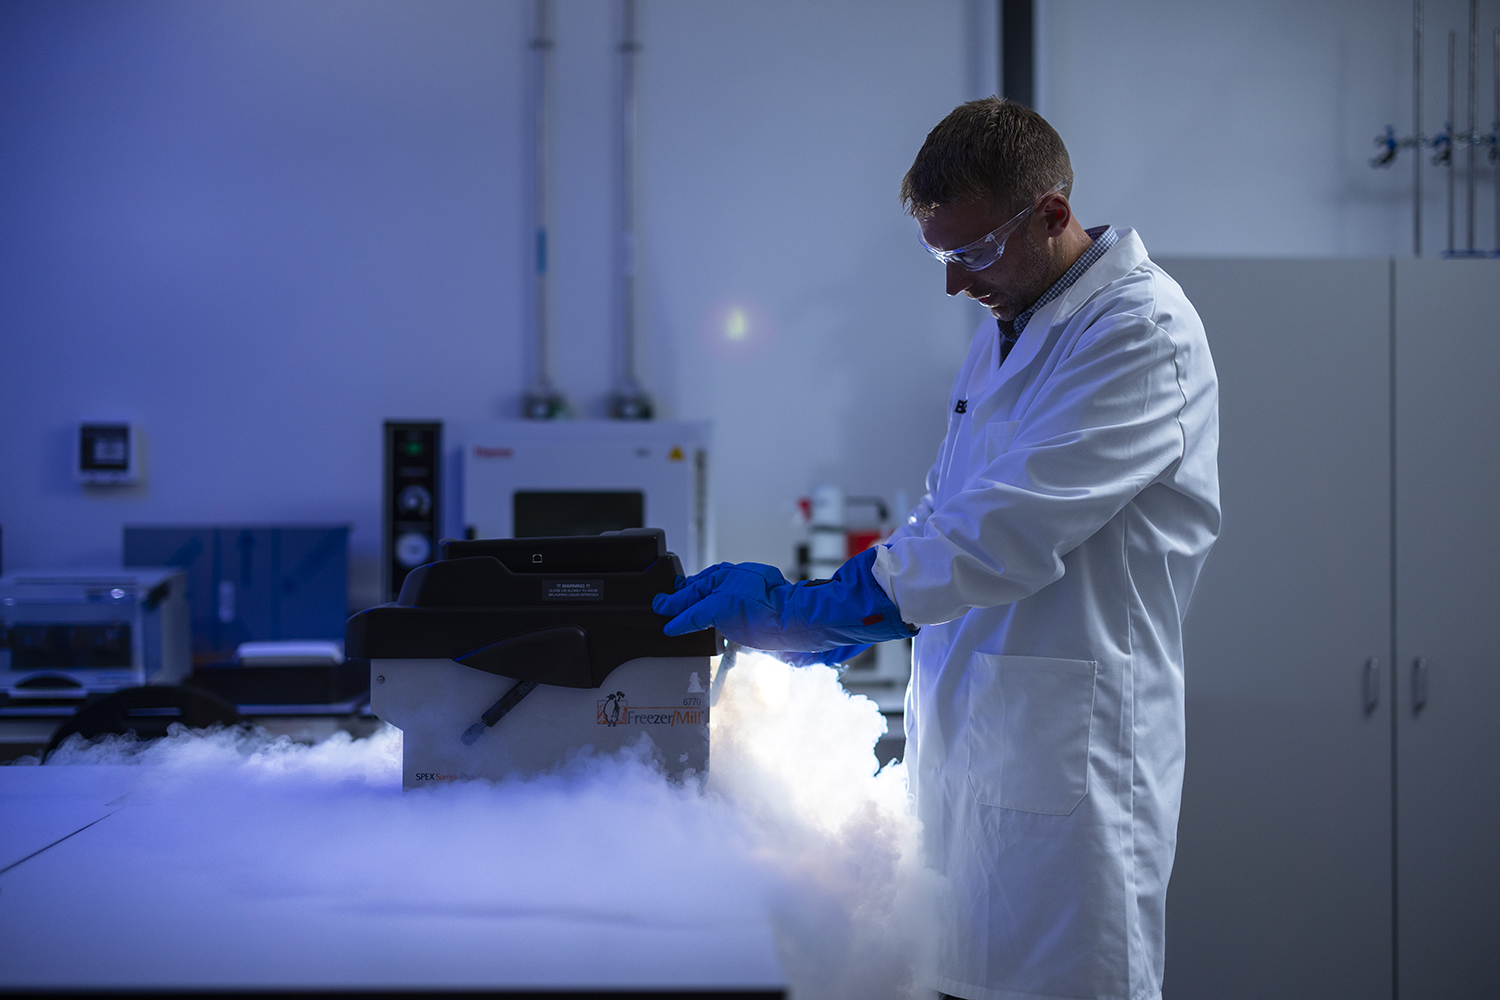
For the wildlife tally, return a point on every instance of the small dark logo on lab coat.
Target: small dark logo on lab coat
(962, 407)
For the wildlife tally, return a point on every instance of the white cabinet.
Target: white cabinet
(1333, 842)
(1282, 882)
(1448, 629)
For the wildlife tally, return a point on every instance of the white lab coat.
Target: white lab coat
(1073, 503)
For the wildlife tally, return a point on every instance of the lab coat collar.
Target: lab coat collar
(1122, 258)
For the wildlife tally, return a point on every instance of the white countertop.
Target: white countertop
(259, 888)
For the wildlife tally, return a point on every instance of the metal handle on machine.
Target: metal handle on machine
(726, 663)
(1372, 684)
(1418, 684)
(498, 711)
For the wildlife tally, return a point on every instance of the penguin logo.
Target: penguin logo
(695, 686)
(612, 709)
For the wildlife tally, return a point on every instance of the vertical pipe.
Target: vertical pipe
(1470, 166)
(1452, 58)
(542, 401)
(629, 45)
(1416, 128)
(541, 41)
(1495, 135)
(628, 401)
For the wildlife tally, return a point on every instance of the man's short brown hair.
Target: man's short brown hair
(987, 150)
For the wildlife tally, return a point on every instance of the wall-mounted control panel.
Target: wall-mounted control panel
(107, 454)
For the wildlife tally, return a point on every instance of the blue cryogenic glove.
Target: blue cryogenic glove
(828, 657)
(757, 607)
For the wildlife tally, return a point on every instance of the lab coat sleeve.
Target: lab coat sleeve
(1106, 424)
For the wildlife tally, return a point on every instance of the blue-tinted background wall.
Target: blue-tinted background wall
(258, 229)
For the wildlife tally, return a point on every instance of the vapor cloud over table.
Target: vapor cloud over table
(793, 822)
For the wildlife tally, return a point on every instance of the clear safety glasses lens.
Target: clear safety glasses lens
(987, 249)
(982, 252)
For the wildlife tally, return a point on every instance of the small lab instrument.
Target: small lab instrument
(69, 634)
(513, 655)
(412, 503)
(528, 479)
(833, 537)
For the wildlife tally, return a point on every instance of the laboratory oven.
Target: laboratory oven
(534, 479)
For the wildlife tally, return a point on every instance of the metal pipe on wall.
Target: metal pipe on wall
(1495, 135)
(629, 400)
(542, 400)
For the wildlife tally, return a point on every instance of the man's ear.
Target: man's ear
(1056, 213)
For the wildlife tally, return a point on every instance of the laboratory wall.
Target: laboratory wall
(1234, 129)
(259, 228)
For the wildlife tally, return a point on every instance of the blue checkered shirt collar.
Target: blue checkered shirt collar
(1104, 237)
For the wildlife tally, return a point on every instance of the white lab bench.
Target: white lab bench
(25, 735)
(79, 909)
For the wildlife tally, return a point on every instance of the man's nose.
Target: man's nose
(959, 279)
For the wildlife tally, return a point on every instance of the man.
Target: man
(1072, 505)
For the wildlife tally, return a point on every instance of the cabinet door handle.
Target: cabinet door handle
(1372, 684)
(1418, 684)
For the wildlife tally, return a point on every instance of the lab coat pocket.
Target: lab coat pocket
(1028, 732)
(998, 437)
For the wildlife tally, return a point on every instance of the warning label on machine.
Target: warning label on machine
(572, 590)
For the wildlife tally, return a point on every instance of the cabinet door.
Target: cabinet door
(1282, 882)
(1448, 616)
(245, 609)
(312, 590)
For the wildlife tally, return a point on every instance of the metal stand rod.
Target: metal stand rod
(1452, 50)
(1416, 128)
(1447, 141)
(1470, 166)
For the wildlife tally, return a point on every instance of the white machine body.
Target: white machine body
(434, 701)
(665, 463)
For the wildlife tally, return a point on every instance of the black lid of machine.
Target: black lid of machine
(630, 551)
(563, 611)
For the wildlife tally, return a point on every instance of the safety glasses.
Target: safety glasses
(987, 249)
